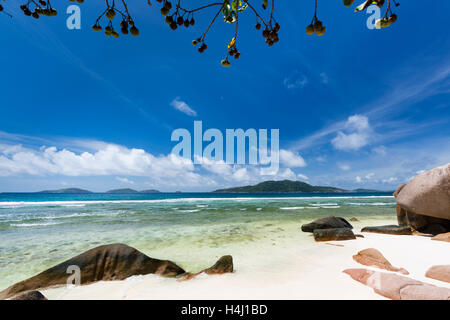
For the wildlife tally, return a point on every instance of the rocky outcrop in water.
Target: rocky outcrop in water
(104, 263)
(424, 202)
(326, 223)
(373, 258)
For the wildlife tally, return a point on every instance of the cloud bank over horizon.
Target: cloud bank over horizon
(120, 166)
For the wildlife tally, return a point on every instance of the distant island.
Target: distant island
(289, 186)
(284, 186)
(68, 190)
(77, 190)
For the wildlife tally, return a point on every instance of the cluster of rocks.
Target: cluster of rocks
(395, 286)
(106, 263)
(423, 207)
(330, 228)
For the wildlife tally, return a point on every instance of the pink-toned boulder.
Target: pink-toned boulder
(396, 287)
(442, 237)
(373, 258)
(424, 202)
(441, 273)
(428, 194)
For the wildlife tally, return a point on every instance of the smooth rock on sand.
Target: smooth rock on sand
(396, 287)
(441, 273)
(390, 229)
(108, 262)
(30, 295)
(335, 234)
(223, 265)
(424, 202)
(326, 223)
(442, 237)
(373, 258)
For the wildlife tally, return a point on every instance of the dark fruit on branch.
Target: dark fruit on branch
(310, 29)
(202, 48)
(225, 63)
(258, 26)
(110, 14)
(393, 18)
(321, 31)
(134, 31)
(167, 5)
(276, 27)
(318, 25)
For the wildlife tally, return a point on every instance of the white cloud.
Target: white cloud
(344, 166)
(358, 179)
(110, 159)
(356, 135)
(124, 180)
(369, 176)
(389, 180)
(183, 107)
(296, 81)
(291, 159)
(302, 176)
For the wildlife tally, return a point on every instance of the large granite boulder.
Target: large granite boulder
(424, 202)
(104, 263)
(326, 223)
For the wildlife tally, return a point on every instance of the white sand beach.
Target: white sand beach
(290, 269)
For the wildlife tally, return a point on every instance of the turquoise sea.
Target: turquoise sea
(38, 231)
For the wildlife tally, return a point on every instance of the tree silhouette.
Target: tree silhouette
(177, 15)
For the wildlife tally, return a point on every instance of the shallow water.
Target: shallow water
(38, 231)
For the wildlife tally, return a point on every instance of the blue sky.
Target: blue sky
(356, 108)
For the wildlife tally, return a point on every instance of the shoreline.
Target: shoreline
(313, 271)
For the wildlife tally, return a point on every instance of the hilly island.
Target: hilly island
(287, 186)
